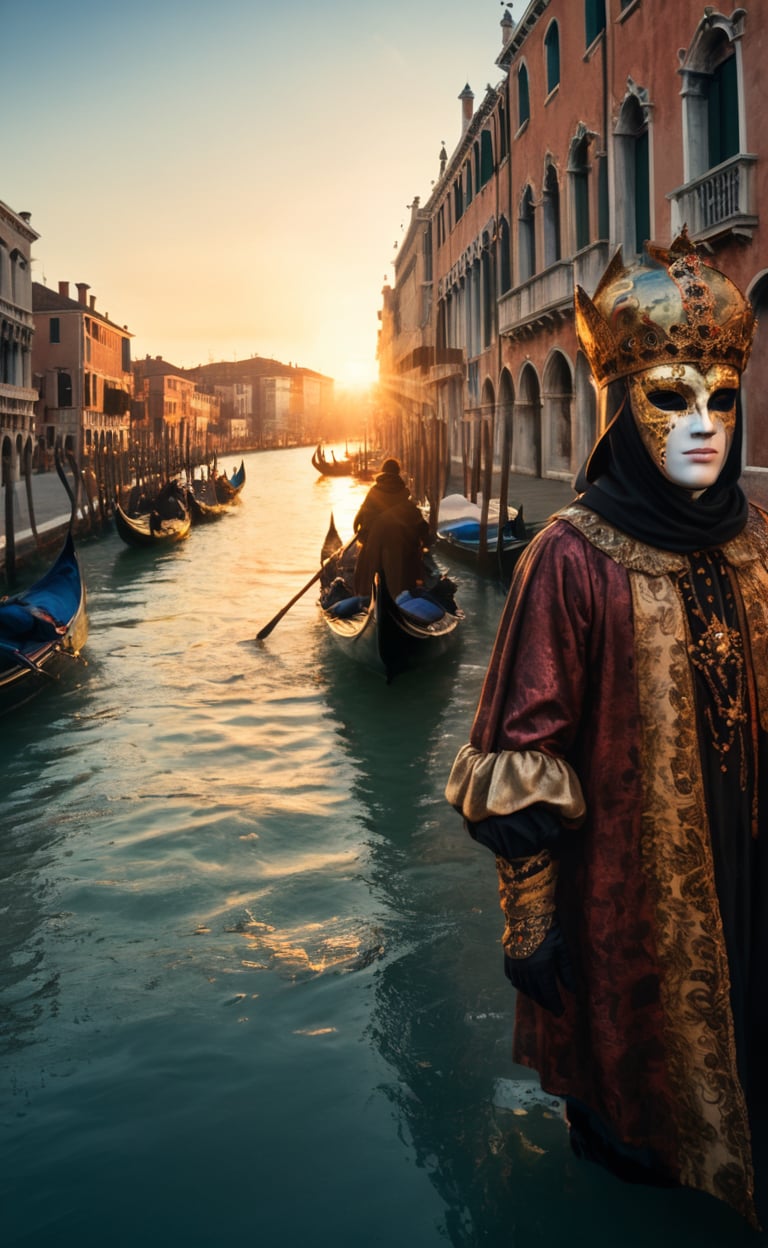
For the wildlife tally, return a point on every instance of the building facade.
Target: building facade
(81, 362)
(614, 122)
(171, 412)
(17, 395)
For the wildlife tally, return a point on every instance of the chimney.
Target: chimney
(92, 302)
(467, 98)
(82, 287)
(64, 290)
(507, 27)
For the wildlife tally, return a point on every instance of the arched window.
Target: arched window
(551, 212)
(503, 136)
(711, 73)
(486, 157)
(468, 183)
(505, 257)
(552, 50)
(523, 97)
(458, 200)
(594, 19)
(527, 235)
(488, 285)
(633, 206)
(578, 169)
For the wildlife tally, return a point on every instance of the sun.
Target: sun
(358, 374)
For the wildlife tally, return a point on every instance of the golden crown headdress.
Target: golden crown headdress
(675, 309)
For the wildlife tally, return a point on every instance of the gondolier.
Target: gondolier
(392, 533)
(617, 761)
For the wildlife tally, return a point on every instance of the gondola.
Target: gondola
(382, 633)
(331, 467)
(150, 530)
(458, 535)
(228, 488)
(202, 504)
(42, 629)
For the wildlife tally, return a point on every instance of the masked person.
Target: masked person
(617, 764)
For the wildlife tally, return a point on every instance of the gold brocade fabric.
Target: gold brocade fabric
(527, 899)
(677, 854)
(677, 861)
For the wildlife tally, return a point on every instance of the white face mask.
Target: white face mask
(686, 419)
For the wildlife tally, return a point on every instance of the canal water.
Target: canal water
(250, 980)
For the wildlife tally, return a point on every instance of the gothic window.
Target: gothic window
(711, 73)
(505, 257)
(594, 19)
(633, 199)
(552, 49)
(551, 213)
(578, 169)
(503, 139)
(527, 235)
(486, 157)
(523, 97)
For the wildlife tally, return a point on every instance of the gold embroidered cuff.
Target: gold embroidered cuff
(499, 784)
(527, 898)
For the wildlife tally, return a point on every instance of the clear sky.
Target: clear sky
(231, 177)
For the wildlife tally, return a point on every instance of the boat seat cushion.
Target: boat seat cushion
(424, 610)
(16, 620)
(347, 607)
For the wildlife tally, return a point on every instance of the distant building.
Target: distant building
(17, 396)
(614, 122)
(172, 411)
(288, 404)
(236, 411)
(82, 366)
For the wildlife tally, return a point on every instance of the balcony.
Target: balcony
(547, 297)
(720, 201)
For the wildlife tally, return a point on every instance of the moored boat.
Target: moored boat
(332, 467)
(493, 550)
(228, 488)
(41, 629)
(150, 529)
(203, 504)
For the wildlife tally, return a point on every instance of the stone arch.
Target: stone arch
(526, 448)
(585, 411)
(557, 412)
(755, 384)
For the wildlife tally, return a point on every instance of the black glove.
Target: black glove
(527, 831)
(537, 975)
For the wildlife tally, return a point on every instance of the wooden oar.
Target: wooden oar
(267, 629)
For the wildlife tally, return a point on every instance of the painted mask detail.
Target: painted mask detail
(686, 418)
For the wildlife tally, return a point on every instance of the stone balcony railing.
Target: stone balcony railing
(721, 200)
(17, 407)
(549, 295)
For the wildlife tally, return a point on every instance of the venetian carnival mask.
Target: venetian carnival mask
(686, 417)
(680, 333)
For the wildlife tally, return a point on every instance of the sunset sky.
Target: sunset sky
(232, 178)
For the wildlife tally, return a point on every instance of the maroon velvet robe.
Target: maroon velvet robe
(588, 705)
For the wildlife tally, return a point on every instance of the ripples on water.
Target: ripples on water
(249, 965)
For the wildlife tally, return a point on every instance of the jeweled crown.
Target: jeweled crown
(675, 309)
